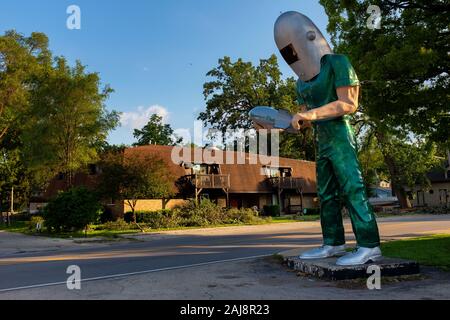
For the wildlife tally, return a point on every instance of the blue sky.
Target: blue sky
(155, 53)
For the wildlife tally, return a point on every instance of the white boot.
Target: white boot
(323, 252)
(360, 256)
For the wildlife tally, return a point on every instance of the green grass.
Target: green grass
(21, 227)
(428, 251)
(295, 218)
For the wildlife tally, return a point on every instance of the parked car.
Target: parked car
(382, 197)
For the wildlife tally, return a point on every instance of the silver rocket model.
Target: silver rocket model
(301, 44)
(270, 118)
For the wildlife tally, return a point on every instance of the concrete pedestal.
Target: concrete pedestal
(327, 268)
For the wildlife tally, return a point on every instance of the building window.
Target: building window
(272, 172)
(286, 172)
(205, 169)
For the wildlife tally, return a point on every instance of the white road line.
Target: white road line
(122, 275)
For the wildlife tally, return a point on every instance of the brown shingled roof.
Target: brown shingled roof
(244, 178)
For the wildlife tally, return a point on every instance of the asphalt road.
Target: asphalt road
(177, 250)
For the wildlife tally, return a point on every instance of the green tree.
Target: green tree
(404, 68)
(373, 167)
(237, 87)
(146, 178)
(156, 132)
(9, 177)
(21, 59)
(132, 178)
(68, 121)
(413, 160)
(113, 174)
(15, 178)
(72, 210)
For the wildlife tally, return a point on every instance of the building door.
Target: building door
(420, 198)
(443, 197)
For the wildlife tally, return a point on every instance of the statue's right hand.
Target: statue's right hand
(257, 126)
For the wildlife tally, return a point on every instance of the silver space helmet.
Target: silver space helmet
(301, 44)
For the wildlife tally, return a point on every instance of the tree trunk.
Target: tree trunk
(397, 187)
(403, 198)
(133, 211)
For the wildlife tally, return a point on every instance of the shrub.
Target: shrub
(72, 211)
(128, 217)
(107, 215)
(272, 210)
(20, 217)
(35, 220)
(437, 210)
(205, 213)
(119, 225)
(241, 216)
(161, 219)
(202, 214)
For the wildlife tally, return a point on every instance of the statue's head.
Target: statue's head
(301, 44)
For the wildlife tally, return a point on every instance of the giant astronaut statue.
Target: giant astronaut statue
(328, 91)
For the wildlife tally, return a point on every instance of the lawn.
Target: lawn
(428, 251)
(295, 218)
(19, 226)
(22, 227)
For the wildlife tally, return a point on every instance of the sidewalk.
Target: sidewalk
(18, 243)
(15, 243)
(259, 279)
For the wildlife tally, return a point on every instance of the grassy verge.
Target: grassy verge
(19, 226)
(294, 218)
(22, 227)
(428, 251)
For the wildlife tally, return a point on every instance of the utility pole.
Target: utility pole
(12, 200)
(11, 207)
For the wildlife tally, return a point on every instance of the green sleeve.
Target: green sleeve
(344, 74)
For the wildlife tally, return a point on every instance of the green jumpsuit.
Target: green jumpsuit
(339, 178)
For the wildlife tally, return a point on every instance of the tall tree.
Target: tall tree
(68, 121)
(237, 87)
(133, 178)
(146, 178)
(21, 59)
(404, 68)
(412, 158)
(156, 132)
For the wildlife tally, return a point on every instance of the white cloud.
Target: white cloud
(139, 118)
(184, 133)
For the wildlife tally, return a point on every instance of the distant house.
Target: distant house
(291, 184)
(439, 193)
(385, 185)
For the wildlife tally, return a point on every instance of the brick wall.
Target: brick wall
(153, 205)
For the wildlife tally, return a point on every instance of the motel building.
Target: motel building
(231, 179)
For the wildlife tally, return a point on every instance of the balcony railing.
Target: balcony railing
(210, 181)
(287, 183)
